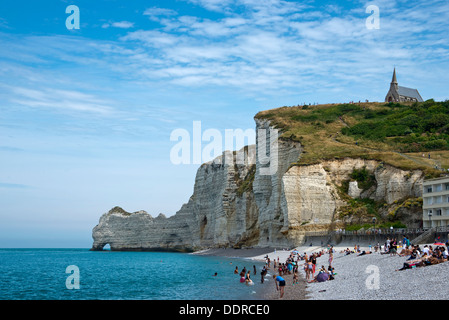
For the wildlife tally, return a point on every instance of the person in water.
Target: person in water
(248, 280)
(263, 274)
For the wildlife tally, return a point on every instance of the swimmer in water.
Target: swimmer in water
(248, 280)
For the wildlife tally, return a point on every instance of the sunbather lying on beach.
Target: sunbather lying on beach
(412, 263)
(426, 260)
(364, 252)
(347, 251)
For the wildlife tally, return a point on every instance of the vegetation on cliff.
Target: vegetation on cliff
(400, 134)
(408, 136)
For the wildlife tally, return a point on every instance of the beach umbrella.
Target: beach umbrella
(322, 277)
(439, 244)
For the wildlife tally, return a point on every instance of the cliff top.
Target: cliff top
(400, 134)
(123, 212)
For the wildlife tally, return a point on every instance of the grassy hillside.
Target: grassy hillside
(402, 135)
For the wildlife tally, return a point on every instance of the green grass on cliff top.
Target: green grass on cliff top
(402, 135)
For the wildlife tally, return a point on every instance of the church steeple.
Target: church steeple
(394, 81)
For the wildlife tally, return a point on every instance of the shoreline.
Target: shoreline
(352, 274)
(246, 253)
(297, 291)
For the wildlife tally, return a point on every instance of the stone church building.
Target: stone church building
(401, 94)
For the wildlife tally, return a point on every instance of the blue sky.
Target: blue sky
(86, 114)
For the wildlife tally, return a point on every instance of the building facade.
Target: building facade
(401, 94)
(436, 202)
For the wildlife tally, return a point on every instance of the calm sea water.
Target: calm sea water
(40, 274)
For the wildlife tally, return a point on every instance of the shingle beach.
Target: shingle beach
(367, 277)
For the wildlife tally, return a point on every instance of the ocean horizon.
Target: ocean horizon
(81, 274)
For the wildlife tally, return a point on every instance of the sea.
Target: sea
(81, 274)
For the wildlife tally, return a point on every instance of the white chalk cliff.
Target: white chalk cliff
(235, 204)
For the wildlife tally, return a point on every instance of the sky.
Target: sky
(89, 98)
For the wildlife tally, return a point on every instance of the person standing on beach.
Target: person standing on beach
(331, 256)
(281, 285)
(308, 268)
(313, 260)
(295, 277)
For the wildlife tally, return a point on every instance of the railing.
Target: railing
(397, 231)
(383, 231)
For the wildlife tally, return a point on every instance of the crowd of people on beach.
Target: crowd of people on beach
(426, 256)
(416, 256)
(297, 262)
(291, 267)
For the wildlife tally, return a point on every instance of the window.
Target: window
(447, 186)
(438, 188)
(439, 212)
(429, 189)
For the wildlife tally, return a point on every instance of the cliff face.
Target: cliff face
(220, 212)
(236, 203)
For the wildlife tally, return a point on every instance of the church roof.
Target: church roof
(409, 92)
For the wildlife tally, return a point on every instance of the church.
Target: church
(401, 94)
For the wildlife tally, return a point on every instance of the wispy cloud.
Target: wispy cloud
(275, 44)
(14, 186)
(156, 12)
(213, 5)
(254, 46)
(60, 99)
(120, 24)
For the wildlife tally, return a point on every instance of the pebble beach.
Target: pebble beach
(368, 277)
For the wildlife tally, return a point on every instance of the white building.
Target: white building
(436, 202)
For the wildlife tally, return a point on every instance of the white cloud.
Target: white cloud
(63, 100)
(120, 24)
(261, 46)
(272, 44)
(213, 5)
(156, 12)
